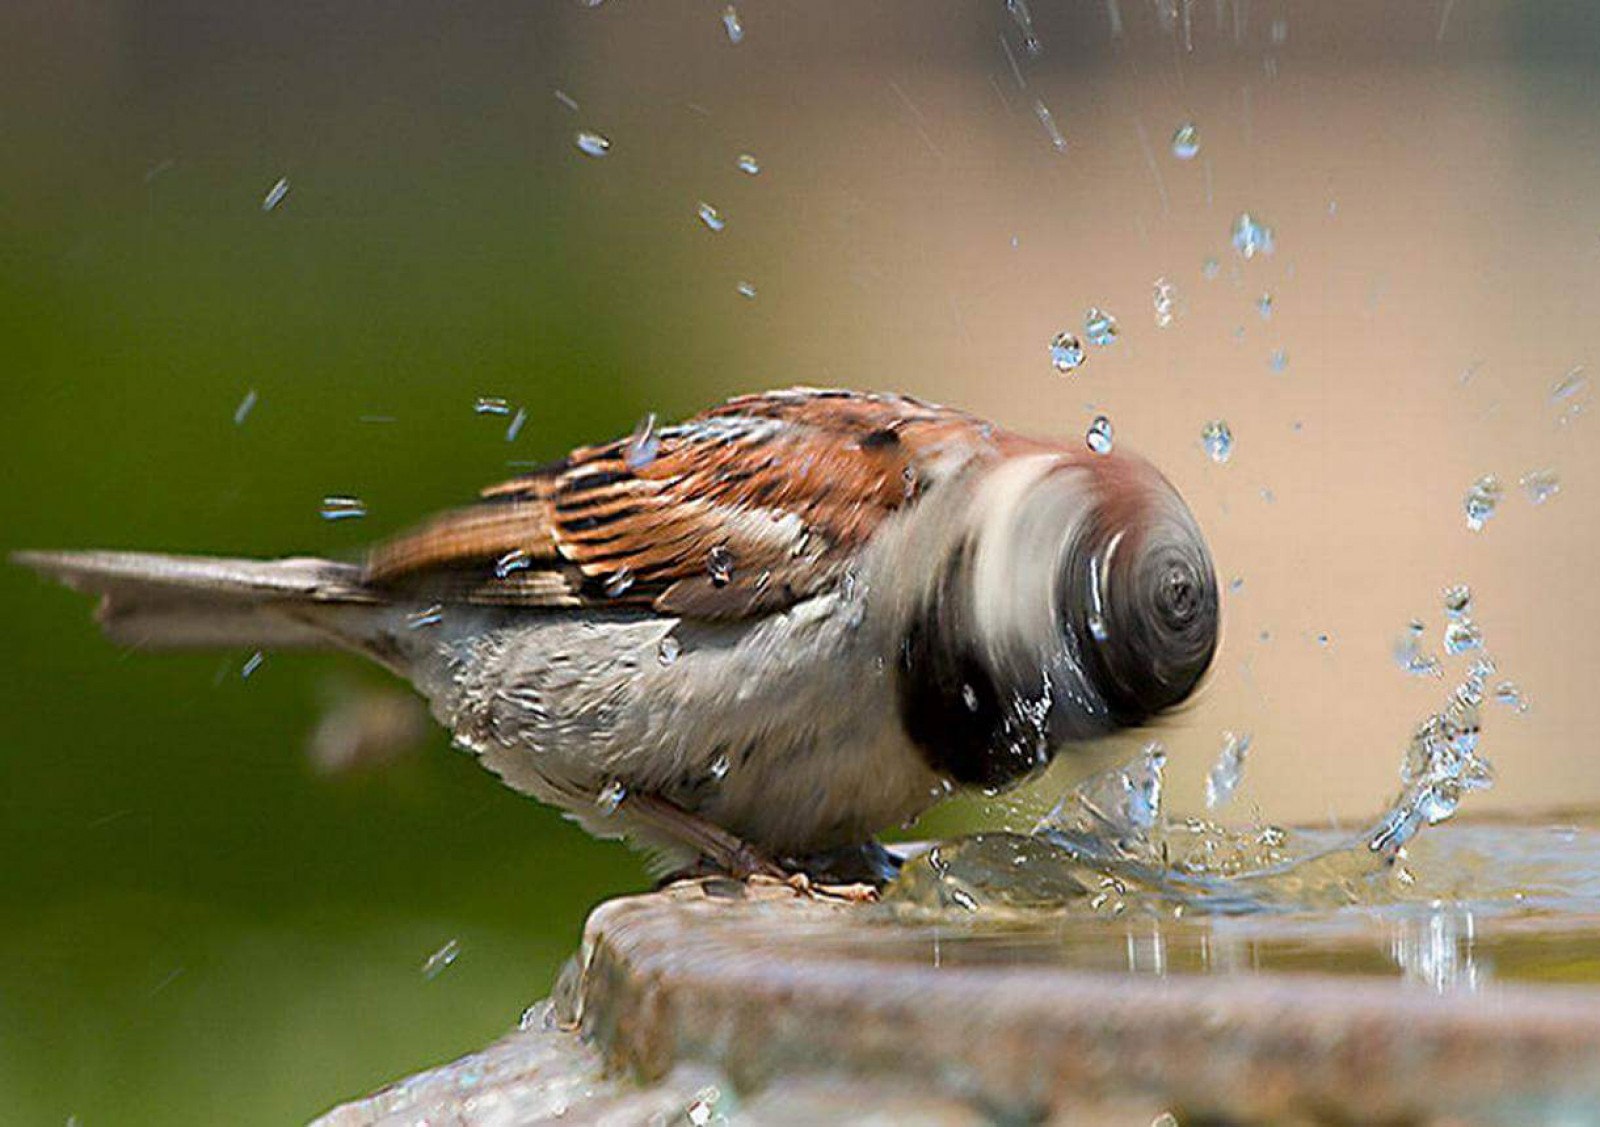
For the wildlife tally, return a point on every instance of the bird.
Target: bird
(751, 641)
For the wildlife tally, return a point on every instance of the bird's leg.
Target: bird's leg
(732, 854)
(867, 863)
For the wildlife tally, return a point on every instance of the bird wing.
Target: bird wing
(742, 510)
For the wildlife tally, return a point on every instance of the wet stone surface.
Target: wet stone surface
(712, 1002)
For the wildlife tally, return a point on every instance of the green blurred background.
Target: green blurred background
(199, 925)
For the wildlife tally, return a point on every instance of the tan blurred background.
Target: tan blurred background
(202, 924)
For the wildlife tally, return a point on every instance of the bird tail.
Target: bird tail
(159, 601)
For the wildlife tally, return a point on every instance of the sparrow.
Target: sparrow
(754, 639)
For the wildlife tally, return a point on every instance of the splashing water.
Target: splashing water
(1481, 501)
(275, 195)
(342, 508)
(1107, 847)
(1570, 395)
(1100, 437)
(1540, 485)
(1165, 297)
(1186, 141)
(1217, 438)
(441, 959)
(591, 143)
(1224, 776)
(1100, 327)
(710, 216)
(1251, 237)
(1066, 352)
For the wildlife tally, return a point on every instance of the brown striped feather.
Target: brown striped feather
(790, 483)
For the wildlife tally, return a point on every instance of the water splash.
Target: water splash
(1217, 438)
(438, 962)
(710, 216)
(275, 195)
(1186, 141)
(1570, 395)
(1108, 848)
(1100, 327)
(719, 565)
(1224, 777)
(1251, 237)
(1099, 436)
(1165, 297)
(1540, 485)
(1481, 501)
(1066, 352)
(342, 508)
(592, 143)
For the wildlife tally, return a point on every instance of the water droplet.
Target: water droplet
(1457, 600)
(1461, 635)
(1053, 131)
(719, 563)
(668, 649)
(1099, 436)
(594, 144)
(611, 796)
(441, 959)
(514, 428)
(1570, 395)
(746, 290)
(251, 664)
(1279, 32)
(275, 195)
(731, 24)
(566, 100)
(618, 583)
(720, 767)
(1408, 654)
(1165, 296)
(246, 405)
(1210, 268)
(491, 405)
(1481, 500)
(513, 561)
(1097, 628)
(430, 615)
(1186, 141)
(1507, 693)
(748, 164)
(1279, 360)
(1066, 352)
(1100, 327)
(643, 446)
(1540, 485)
(1217, 439)
(343, 508)
(710, 216)
(969, 697)
(1251, 237)
(1223, 778)
(1236, 583)
(1264, 306)
(1324, 640)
